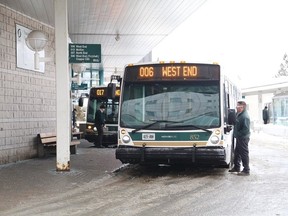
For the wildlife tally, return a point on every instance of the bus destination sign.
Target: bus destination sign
(84, 53)
(176, 71)
(102, 92)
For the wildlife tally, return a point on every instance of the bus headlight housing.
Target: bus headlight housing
(214, 139)
(126, 139)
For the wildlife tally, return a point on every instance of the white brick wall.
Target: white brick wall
(27, 98)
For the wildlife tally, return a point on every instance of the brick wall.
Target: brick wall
(27, 98)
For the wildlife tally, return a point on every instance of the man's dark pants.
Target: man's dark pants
(100, 135)
(242, 153)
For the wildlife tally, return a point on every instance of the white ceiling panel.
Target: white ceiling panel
(141, 24)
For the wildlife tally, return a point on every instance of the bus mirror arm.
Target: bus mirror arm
(111, 88)
(228, 128)
(80, 102)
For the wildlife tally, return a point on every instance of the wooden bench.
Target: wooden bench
(47, 143)
(77, 135)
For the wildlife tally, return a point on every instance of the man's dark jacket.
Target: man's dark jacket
(242, 126)
(99, 118)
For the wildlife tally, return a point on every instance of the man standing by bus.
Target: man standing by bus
(74, 118)
(100, 124)
(242, 135)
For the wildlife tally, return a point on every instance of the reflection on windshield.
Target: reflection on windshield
(187, 106)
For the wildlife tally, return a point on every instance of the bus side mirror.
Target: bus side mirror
(111, 88)
(80, 102)
(231, 116)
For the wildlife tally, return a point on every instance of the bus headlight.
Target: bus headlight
(126, 139)
(94, 129)
(214, 139)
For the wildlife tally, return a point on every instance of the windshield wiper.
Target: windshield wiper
(182, 126)
(153, 123)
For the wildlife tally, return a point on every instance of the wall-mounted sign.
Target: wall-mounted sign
(25, 56)
(75, 86)
(84, 53)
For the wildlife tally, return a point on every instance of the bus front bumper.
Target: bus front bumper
(108, 138)
(168, 155)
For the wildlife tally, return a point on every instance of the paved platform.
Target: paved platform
(34, 178)
(37, 177)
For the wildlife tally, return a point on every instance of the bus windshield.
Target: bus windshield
(111, 111)
(170, 105)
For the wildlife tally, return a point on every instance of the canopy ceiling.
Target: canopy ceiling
(140, 24)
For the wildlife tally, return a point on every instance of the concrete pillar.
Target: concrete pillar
(62, 86)
(260, 101)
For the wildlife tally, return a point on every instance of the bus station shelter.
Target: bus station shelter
(35, 84)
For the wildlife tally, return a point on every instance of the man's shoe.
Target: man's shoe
(234, 170)
(244, 173)
(98, 146)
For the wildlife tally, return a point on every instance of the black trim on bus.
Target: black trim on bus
(168, 155)
(108, 138)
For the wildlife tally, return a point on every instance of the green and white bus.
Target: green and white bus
(98, 96)
(176, 113)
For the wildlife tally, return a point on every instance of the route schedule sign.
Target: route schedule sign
(84, 53)
(75, 86)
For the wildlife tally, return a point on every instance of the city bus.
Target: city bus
(176, 113)
(98, 96)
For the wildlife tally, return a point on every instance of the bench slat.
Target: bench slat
(75, 142)
(52, 141)
(47, 135)
(49, 140)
